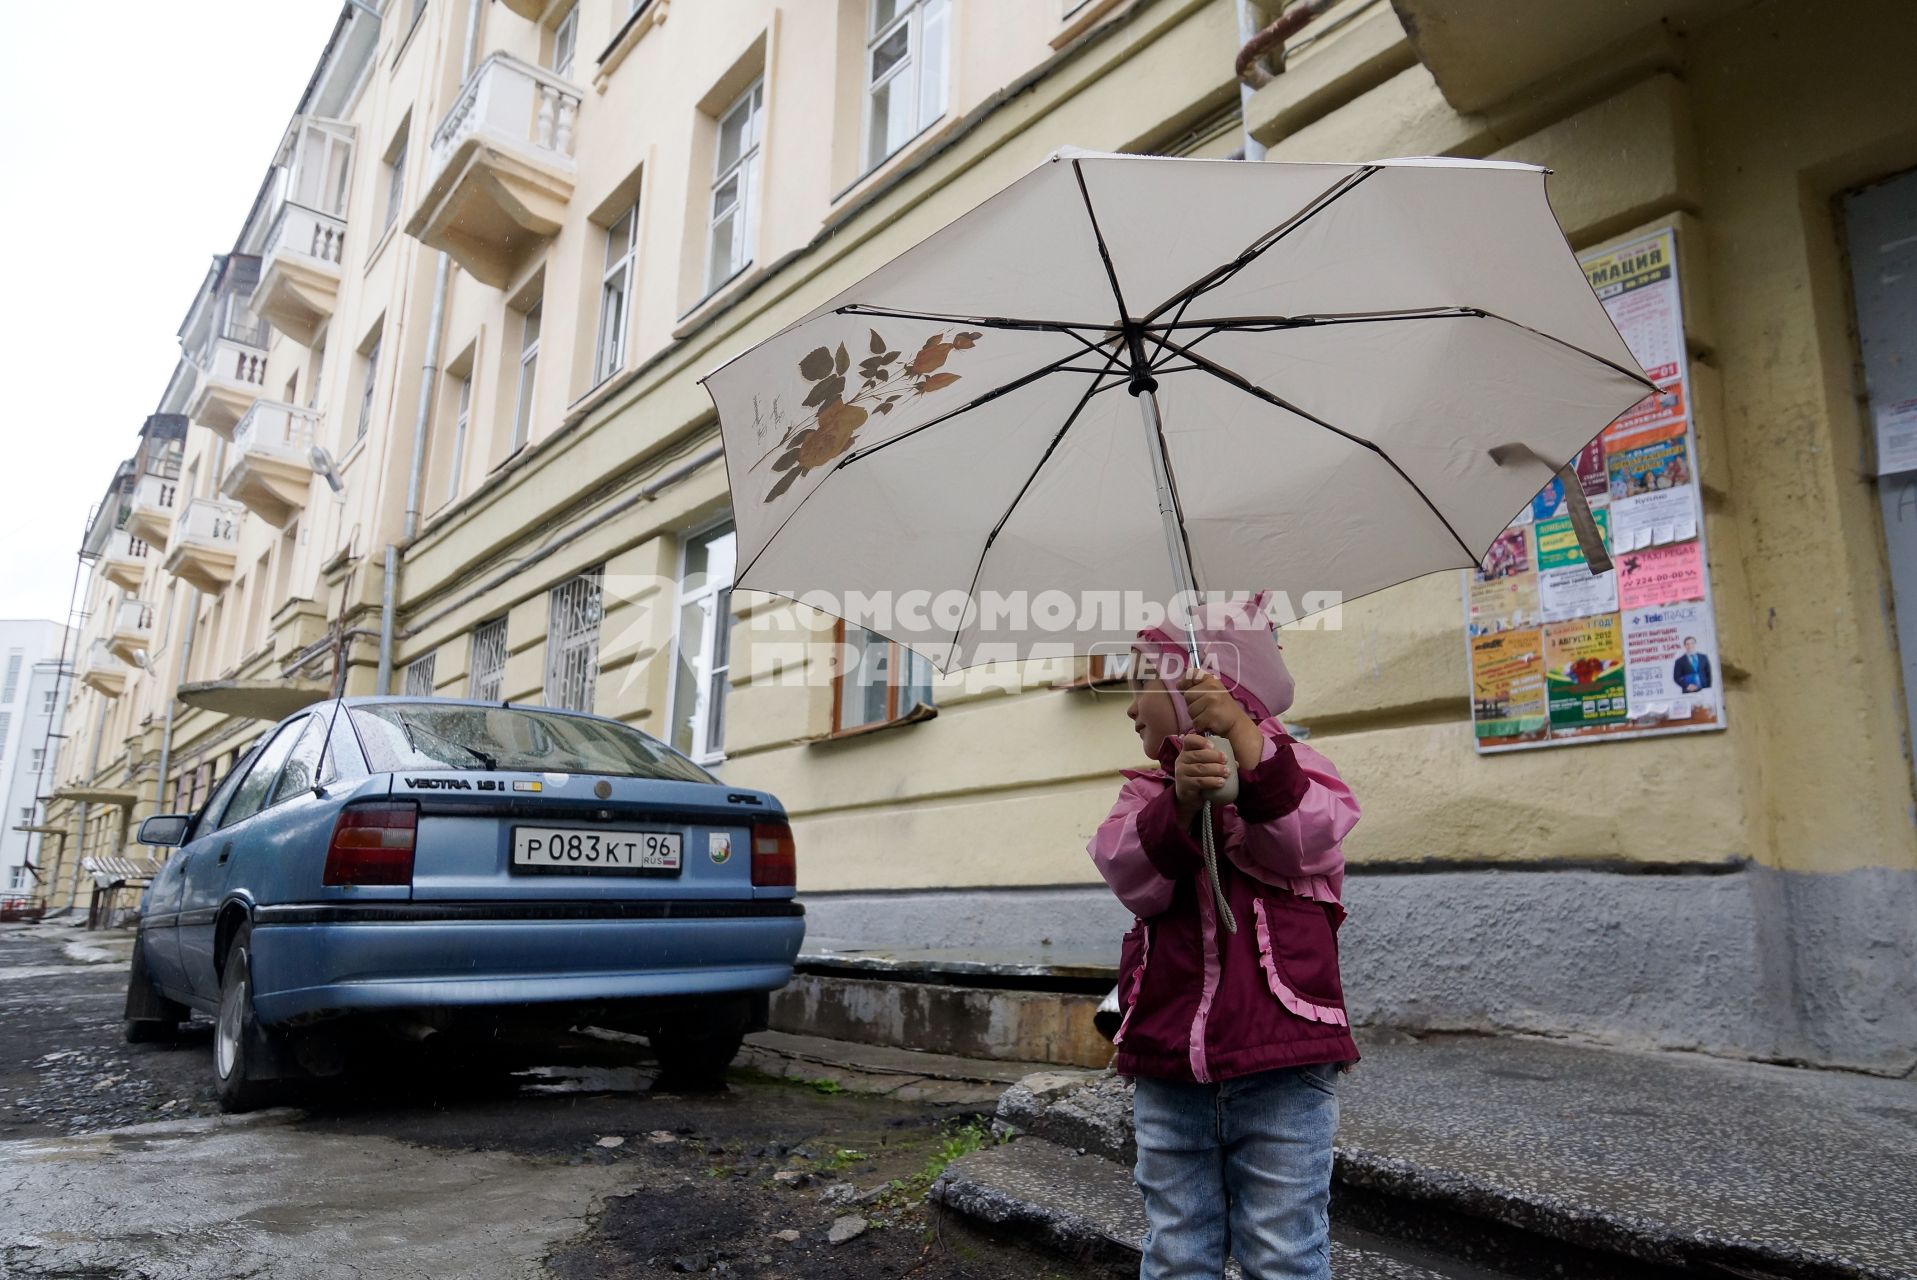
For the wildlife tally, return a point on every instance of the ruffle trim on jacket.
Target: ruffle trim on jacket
(1310, 1010)
(1138, 987)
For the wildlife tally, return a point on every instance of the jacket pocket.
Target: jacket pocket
(1299, 954)
(1132, 958)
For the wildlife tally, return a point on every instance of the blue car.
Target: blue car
(429, 866)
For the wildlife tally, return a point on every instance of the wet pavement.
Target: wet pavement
(559, 1162)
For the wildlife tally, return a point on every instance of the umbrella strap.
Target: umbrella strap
(1211, 872)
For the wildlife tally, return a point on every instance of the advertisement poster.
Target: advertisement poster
(1660, 575)
(1584, 674)
(1632, 652)
(1507, 687)
(1670, 669)
(1897, 437)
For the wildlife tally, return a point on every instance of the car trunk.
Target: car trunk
(580, 837)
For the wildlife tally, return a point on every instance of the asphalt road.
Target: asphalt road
(560, 1161)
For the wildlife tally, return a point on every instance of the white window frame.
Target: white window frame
(366, 391)
(395, 183)
(575, 610)
(486, 668)
(565, 43)
(462, 418)
(529, 324)
(615, 313)
(743, 212)
(913, 16)
(713, 598)
(418, 679)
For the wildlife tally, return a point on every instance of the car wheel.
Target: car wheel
(695, 1061)
(150, 1016)
(240, 1044)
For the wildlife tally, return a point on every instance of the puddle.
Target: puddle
(551, 1080)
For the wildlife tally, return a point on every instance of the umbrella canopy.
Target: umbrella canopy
(1138, 375)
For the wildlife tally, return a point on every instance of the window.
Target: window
(904, 73)
(615, 296)
(39, 760)
(486, 678)
(366, 388)
(572, 641)
(431, 736)
(26, 815)
(462, 415)
(14, 658)
(528, 369)
(705, 641)
(250, 796)
(395, 180)
(419, 677)
(565, 42)
(51, 702)
(303, 770)
(734, 199)
(881, 682)
(419, 11)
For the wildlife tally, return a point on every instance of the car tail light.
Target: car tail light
(774, 863)
(372, 844)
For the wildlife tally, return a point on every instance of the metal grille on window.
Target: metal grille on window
(572, 642)
(488, 681)
(419, 677)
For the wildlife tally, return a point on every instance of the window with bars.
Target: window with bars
(419, 677)
(486, 673)
(905, 73)
(880, 681)
(615, 296)
(735, 183)
(576, 608)
(528, 371)
(702, 671)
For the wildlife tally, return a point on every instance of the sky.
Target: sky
(136, 136)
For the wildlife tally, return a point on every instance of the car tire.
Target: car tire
(151, 1018)
(695, 1062)
(242, 1049)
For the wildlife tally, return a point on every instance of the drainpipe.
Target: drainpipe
(1271, 40)
(179, 678)
(1248, 23)
(423, 416)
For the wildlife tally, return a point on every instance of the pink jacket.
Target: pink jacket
(1201, 1003)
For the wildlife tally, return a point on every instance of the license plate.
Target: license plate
(554, 849)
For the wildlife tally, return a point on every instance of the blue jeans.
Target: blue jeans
(1240, 1168)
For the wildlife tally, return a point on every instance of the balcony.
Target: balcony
(150, 515)
(102, 671)
(125, 560)
(272, 461)
(132, 632)
(232, 368)
(502, 169)
(205, 543)
(299, 271)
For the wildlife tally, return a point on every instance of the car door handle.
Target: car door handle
(225, 850)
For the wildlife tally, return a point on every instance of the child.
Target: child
(1233, 1039)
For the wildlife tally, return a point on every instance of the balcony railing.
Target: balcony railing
(102, 671)
(272, 460)
(307, 232)
(205, 540)
(300, 270)
(124, 561)
(522, 106)
(500, 168)
(150, 516)
(132, 630)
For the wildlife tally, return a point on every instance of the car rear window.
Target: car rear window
(423, 735)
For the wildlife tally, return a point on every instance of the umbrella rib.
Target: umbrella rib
(1104, 253)
(983, 322)
(1251, 388)
(1218, 275)
(856, 454)
(1091, 390)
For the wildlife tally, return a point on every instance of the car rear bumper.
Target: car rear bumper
(410, 955)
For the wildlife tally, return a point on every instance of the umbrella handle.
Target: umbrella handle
(1229, 792)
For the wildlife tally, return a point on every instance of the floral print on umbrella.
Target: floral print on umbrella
(884, 380)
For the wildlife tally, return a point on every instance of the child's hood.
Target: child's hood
(1236, 643)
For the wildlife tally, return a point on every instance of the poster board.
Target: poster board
(1558, 656)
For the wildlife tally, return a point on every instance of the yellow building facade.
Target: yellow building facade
(441, 430)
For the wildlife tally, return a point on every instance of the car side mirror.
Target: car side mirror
(165, 829)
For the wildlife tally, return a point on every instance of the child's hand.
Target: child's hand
(1200, 769)
(1213, 710)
